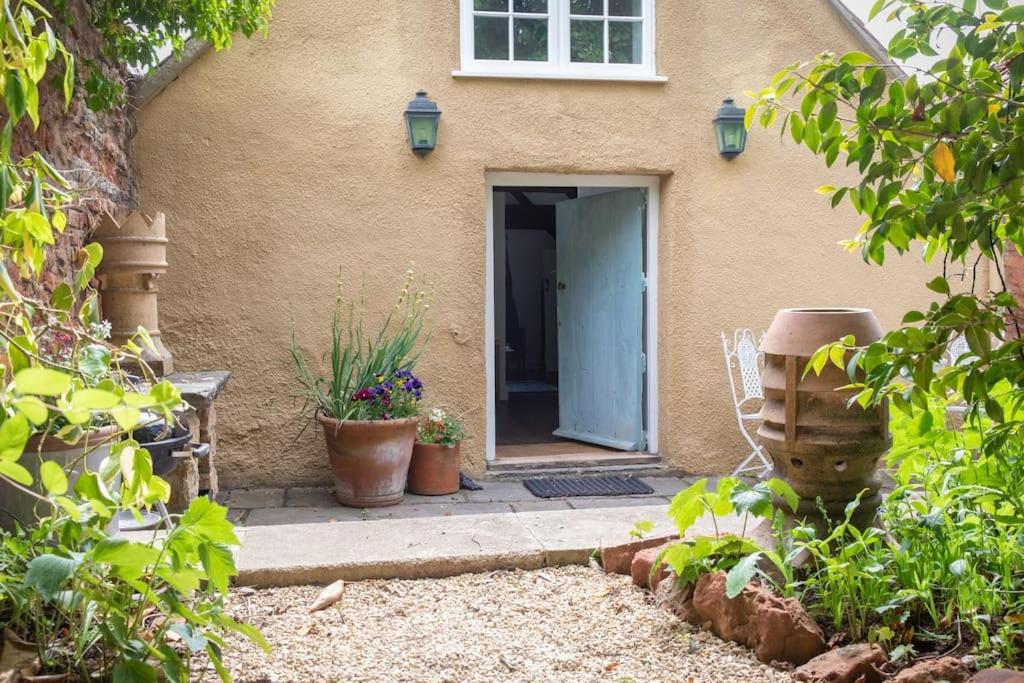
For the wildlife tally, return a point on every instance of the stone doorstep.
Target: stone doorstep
(435, 547)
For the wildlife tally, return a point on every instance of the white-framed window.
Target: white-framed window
(598, 39)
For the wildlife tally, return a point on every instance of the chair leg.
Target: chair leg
(763, 465)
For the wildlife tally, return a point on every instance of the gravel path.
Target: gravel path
(565, 624)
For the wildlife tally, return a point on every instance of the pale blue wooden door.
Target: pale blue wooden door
(599, 253)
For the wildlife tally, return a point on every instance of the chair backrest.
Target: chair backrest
(743, 354)
(957, 348)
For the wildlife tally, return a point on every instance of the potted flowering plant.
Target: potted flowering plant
(434, 470)
(368, 405)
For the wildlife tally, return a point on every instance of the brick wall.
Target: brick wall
(1013, 273)
(92, 149)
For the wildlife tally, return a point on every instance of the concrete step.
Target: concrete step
(434, 547)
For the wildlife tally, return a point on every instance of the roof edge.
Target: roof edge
(168, 71)
(873, 45)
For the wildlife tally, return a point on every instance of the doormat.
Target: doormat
(570, 487)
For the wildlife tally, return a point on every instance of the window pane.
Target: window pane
(536, 6)
(490, 37)
(625, 8)
(625, 42)
(531, 40)
(586, 41)
(586, 7)
(490, 5)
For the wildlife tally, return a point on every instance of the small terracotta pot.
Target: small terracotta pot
(369, 458)
(434, 470)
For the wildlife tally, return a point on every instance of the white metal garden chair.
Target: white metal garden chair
(743, 357)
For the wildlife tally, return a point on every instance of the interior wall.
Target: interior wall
(526, 268)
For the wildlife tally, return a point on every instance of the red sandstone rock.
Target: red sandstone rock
(678, 600)
(642, 564)
(851, 664)
(948, 669)
(997, 676)
(618, 558)
(775, 628)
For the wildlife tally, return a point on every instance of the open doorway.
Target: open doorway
(570, 323)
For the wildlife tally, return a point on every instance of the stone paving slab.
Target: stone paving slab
(585, 503)
(438, 546)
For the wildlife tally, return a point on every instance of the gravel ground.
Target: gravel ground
(566, 624)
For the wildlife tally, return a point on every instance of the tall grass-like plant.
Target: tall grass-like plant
(370, 376)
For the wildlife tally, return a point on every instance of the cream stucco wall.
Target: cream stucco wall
(282, 160)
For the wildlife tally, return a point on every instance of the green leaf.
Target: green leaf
(1013, 14)
(740, 575)
(94, 361)
(37, 226)
(120, 552)
(208, 521)
(939, 285)
(42, 382)
(33, 409)
(218, 563)
(827, 116)
(62, 297)
(687, 506)
(14, 94)
(14, 433)
(754, 500)
(193, 640)
(784, 491)
(53, 478)
(48, 573)
(133, 671)
(15, 472)
(94, 399)
(857, 58)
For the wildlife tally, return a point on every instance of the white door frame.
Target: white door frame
(653, 186)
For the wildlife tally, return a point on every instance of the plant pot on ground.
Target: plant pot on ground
(434, 470)
(368, 404)
(85, 454)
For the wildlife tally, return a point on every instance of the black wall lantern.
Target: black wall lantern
(421, 117)
(729, 129)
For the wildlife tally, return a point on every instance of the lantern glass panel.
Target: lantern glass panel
(422, 131)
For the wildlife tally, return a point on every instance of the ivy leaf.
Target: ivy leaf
(42, 382)
(53, 478)
(740, 575)
(944, 163)
(15, 472)
(14, 434)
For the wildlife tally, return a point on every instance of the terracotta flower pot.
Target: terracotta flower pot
(369, 458)
(434, 470)
(821, 446)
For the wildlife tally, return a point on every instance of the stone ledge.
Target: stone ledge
(199, 389)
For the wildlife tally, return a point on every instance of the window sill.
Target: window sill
(525, 75)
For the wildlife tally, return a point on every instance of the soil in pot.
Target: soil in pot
(369, 459)
(434, 470)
